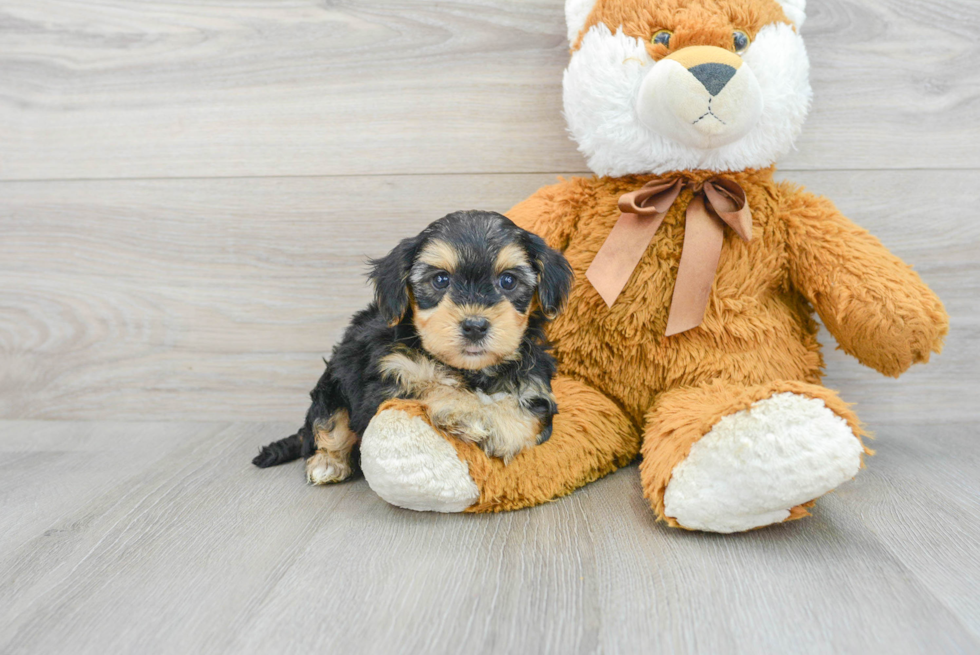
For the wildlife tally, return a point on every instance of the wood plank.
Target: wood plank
(203, 553)
(51, 471)
(215, 299)
(107, 89)
(126, 521)
(176, 289)
(920, 495)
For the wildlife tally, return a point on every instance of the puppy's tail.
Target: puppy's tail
(280, 452)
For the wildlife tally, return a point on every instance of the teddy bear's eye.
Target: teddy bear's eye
(662, 37)
(741, 41)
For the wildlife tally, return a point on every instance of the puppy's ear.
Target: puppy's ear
(554, 275)
(390, 277)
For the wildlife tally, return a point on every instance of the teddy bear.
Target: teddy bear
(689, 338)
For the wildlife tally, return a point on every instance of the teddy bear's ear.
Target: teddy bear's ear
(576, 13)
(795, 10)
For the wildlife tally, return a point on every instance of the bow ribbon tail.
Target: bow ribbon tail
(721, 202)
(703, 236)
(642, 213)
(620, 253)
(717, 203)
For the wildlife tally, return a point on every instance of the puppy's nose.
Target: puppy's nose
(714, 77)
(475, 328)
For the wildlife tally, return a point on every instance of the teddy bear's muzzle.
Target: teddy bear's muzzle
(700, 96)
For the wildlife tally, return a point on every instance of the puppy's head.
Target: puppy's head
(472, 281)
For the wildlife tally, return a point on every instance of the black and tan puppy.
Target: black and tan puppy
(458, 324)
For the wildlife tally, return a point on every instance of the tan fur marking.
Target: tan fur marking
(411, 407)
(439, 329)
(498, 423)
(692, 23)
(700, 54)
(510, 256)
(416, 375)
(334, 443)
(439, 254)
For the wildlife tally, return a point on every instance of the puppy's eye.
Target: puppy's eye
(662, 37)
(741, 41)
(507, 282)
(441, 280)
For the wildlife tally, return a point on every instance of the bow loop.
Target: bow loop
(727, 199)
(652, 198)
(715, 203)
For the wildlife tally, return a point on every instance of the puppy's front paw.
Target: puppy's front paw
(545, 434)
(323, 468)
(507, 452)
(508, 445)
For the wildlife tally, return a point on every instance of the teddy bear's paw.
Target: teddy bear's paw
(410, 465)
(754, 466)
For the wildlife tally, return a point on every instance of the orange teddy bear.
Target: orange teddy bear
(689, 335)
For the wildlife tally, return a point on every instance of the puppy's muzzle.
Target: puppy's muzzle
(474, 328)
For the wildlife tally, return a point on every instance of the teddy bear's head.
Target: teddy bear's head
(665, 85)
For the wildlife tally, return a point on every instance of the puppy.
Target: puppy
(458, 324)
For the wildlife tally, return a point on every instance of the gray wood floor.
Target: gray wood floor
(183, 229)
(159, 537)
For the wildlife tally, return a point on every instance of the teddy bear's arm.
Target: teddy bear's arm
(874, 304)
(552, 212)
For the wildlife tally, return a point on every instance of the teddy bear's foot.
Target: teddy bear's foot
(756, 467)
(725, 458)
(410, 465)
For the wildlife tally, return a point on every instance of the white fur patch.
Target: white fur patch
(321, 469)
(576, 13)
(756, 464)
(603, 81)
(409, 465)
(795, 10)
(675, 104)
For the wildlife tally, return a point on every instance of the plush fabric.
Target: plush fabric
(786, 448)
(410, 465)
(620, 377)
(591, 437)
(758, 338)
(735, 429)
(613, 65)
(681, 417)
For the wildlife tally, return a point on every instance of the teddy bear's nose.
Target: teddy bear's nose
(713, 76)
(713, 67)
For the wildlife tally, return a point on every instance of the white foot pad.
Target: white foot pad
(409, 465)
(756, 464)
(323, 469)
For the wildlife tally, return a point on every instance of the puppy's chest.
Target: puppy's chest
(416, 376)
(494, 414)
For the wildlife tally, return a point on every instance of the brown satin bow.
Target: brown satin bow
(716, 202)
